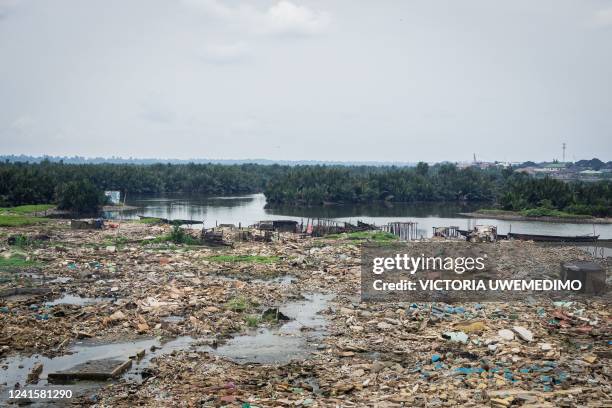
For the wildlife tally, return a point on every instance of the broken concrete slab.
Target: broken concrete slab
(590, 274)
(93, 370)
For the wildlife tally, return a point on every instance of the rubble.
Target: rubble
(223, 325)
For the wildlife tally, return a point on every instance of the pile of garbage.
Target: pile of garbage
(129, 283)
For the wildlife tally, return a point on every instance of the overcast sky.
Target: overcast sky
(298, 80)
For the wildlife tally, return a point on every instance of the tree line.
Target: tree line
(80, 187)
(503, 188)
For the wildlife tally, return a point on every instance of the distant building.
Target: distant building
(527, 170)
(554, 167)
(114, 197)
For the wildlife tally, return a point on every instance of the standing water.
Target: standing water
(249, 209)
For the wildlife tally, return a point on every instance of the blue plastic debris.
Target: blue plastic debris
(469, 370)
(435, 357)
(547, 379)
(33, 307)
(4, 309)
(478, 306)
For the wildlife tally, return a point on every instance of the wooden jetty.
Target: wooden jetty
(406, 231)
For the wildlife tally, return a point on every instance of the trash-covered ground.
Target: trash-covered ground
(277, 324)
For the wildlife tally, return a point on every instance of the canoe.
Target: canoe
(542, 238)
(167, 221)
(553, 238)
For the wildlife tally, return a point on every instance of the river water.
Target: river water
(248, 209)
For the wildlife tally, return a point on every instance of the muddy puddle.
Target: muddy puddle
(15, 369)
(71, 299)
(295, 339)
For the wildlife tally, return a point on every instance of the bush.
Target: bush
(179, 236)
(80, 197)
(547, 212)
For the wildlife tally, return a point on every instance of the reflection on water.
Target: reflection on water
(251, 208)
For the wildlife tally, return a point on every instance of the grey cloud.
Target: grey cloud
(307, 79)
(603, 18)
(283, 17)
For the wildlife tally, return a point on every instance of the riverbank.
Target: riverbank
(279, 323)
(515, 216)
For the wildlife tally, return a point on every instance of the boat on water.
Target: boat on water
(167, 221)
(553, 238)
(541, 238)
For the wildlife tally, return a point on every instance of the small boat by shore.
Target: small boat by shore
(542, 238)
(553, 238)
(167, 221)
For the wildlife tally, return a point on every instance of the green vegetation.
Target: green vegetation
(378, 236)
(16, 261)
(177, 236)
(314, 185)
(80, 196)
(244, 258)
(47, 182)
(19, 220)
(20, 216)
(27, 209)
(252, 320)
(549, 197)
(238, 304)
(79, 187)
(20, 241)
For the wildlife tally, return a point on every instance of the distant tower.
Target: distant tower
(474, 157)
(563, 152)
